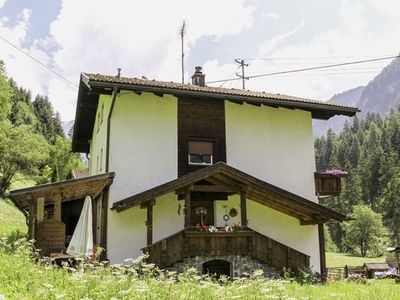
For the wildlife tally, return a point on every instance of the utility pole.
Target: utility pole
(183, 53)
(242, 65)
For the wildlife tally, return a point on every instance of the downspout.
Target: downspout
(109, 128)
(106, 195)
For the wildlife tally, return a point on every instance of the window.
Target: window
(200, 152)
(101, 160)
(98, 121)
(102, 114)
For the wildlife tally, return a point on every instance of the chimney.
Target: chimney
(198, 78)
(119, 73)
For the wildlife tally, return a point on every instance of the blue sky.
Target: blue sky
(142, 37)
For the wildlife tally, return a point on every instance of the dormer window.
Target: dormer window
(201, 152)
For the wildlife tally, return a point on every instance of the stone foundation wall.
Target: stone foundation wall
(240, 265)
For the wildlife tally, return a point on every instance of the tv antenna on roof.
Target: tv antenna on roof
(183, 31)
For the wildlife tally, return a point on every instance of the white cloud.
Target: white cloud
(141, 37)
(350, 40)
(2, 2)
(25, 71)
(60, 92)
(390, 7)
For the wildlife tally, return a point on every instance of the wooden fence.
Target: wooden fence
(335, 274)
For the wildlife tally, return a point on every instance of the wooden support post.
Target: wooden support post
(322, 251)
(57, 208)
(97, 220)
(149, 220)
(187, 208)
(39, 209)
(243, 207)
(150, 224)
(104, 223)
(32, 214)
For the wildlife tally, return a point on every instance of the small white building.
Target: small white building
(189, 158)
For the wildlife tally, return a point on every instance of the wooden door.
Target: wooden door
(195, 217)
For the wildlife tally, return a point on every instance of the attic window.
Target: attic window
(200, 153)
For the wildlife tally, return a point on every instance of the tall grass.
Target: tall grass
(23, 276)
(342, 259)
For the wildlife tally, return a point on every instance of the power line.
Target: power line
(308, 58)
(335, 73)
(310, 68)
(233, 74)
(39, 62)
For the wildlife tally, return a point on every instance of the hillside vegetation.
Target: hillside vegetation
(11, 219)
(32, 142)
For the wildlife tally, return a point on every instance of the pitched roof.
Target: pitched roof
(226, 177)
(70, 189)
(91, 85)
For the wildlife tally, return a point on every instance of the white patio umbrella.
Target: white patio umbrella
(82, 240)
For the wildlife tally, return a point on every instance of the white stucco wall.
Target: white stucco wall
(98, 142)
(143, 154)
(219, 211)
(129, 232)
(286, 230)
(166, 220)
(143, 143)
(273, 144)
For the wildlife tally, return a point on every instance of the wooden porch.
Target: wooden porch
(245, 242)
(52, 210)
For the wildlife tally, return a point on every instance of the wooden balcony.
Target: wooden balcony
(328, 183)
(247, 242)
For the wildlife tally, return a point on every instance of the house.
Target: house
(169, 162)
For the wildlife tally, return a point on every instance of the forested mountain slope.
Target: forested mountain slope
(369, 150)
(380, 95)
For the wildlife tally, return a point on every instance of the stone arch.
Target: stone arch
(217, 267)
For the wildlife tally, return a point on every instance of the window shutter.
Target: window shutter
(200, 147)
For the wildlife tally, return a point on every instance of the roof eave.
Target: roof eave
(318, 110)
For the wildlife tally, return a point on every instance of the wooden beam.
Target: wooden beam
(39, 209)
(243, 207)
(215, 188)
(184, 189)
(148, 203)
(314, 221)
(159, 94)
(322, 258)
(57, 208)
(187, 209)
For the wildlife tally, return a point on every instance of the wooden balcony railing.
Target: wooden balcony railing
(247, 242)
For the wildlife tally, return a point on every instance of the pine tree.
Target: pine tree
(49, 123)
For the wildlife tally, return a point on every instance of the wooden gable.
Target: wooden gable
(226, 179)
